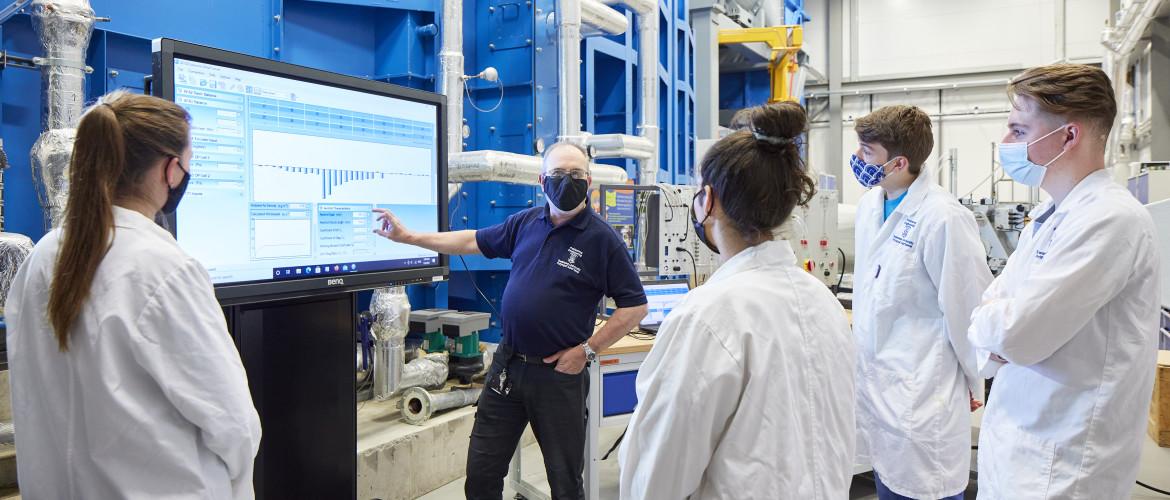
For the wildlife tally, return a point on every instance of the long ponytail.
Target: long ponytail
(118, 140)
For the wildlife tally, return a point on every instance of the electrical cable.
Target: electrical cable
(616, 443)
(694, 268)
(476, 285)
(841, 276)
(471, 100)
(1139, 483)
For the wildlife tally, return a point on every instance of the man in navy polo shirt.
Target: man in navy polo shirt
(564, 260)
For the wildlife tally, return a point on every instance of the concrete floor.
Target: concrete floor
(1155, 471)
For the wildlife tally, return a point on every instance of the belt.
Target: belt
(532, 360)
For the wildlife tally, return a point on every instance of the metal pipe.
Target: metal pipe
(1123, 38)
(14, 249)
(418, 405)
(451, 77)
(64, 28)
(641, 7)
(773, 13)
(909, 88)
(502, 166)
(596, 15)
(429, 372)
(569, 69)
(389, 357)
(451, 72)
(648, 85)
(620, 146)
(391, 310)
(3, 167)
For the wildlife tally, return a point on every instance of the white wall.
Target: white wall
(940, 38)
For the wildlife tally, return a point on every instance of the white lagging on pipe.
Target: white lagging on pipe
(621, 146)
(648, 52)
(569, 70)
(451, 77)
(596, 15)
(501, 166)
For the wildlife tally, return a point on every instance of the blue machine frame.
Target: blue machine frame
(395, 41)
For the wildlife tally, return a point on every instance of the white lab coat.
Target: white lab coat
(917, 277)
(1076, 314)
(748, 391)
(150, 400)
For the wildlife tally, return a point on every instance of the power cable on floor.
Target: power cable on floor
(1151, 488)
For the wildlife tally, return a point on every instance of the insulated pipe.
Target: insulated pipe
(621, 146)
(418, 405)
(501, 166)
(428, 372)
(569, 69)
(451, 78)
(391, 310)
(451, 72)
(641, 7)
(64, 28)
(648, 82)
(595, 14)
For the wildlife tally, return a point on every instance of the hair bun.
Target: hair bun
(785, 121)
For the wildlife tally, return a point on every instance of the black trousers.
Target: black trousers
(553, 402)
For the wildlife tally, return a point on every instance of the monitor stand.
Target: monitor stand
(299, 357)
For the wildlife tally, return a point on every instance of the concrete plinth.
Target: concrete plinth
(396, 460)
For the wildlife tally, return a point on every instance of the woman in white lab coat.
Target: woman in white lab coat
(1069, 329)
(125, 383)
(748, 391)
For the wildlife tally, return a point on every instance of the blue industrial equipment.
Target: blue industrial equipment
(394, 41)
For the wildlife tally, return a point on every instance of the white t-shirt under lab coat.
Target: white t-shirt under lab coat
(150, 400)
(748, 391)
(1075, 312)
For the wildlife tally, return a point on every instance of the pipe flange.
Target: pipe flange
(417, 406)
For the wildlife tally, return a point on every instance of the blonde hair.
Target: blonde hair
(1070, 91)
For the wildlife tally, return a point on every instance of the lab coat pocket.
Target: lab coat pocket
(891, 287)
(898, 396)
(1016, 463)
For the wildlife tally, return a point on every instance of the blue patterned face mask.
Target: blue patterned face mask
(868, 174)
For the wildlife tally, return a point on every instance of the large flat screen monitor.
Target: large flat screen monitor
(288, 164)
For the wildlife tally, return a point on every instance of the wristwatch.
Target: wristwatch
(590, 355)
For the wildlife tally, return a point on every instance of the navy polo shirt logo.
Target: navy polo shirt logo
(572, 263)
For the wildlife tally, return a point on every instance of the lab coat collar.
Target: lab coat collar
(768, 254)
(1087, 185)
(914, 195)
(129, 219)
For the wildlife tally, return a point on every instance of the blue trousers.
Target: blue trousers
(885, 493)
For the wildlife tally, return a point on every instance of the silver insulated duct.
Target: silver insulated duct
(64, 27)
(391, 310)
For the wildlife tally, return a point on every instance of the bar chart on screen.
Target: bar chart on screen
(313, 169)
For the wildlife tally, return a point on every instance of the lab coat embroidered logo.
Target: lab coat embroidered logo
(903, 239)
(572, 262)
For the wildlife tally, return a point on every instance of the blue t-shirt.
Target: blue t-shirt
(891, 205)
(559, 275)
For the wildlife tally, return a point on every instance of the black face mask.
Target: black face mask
(701, 231)
(565, 192)
(175, 194)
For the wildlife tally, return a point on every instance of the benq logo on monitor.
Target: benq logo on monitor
(335, 281)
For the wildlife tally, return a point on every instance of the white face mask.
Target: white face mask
(1013, 156)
